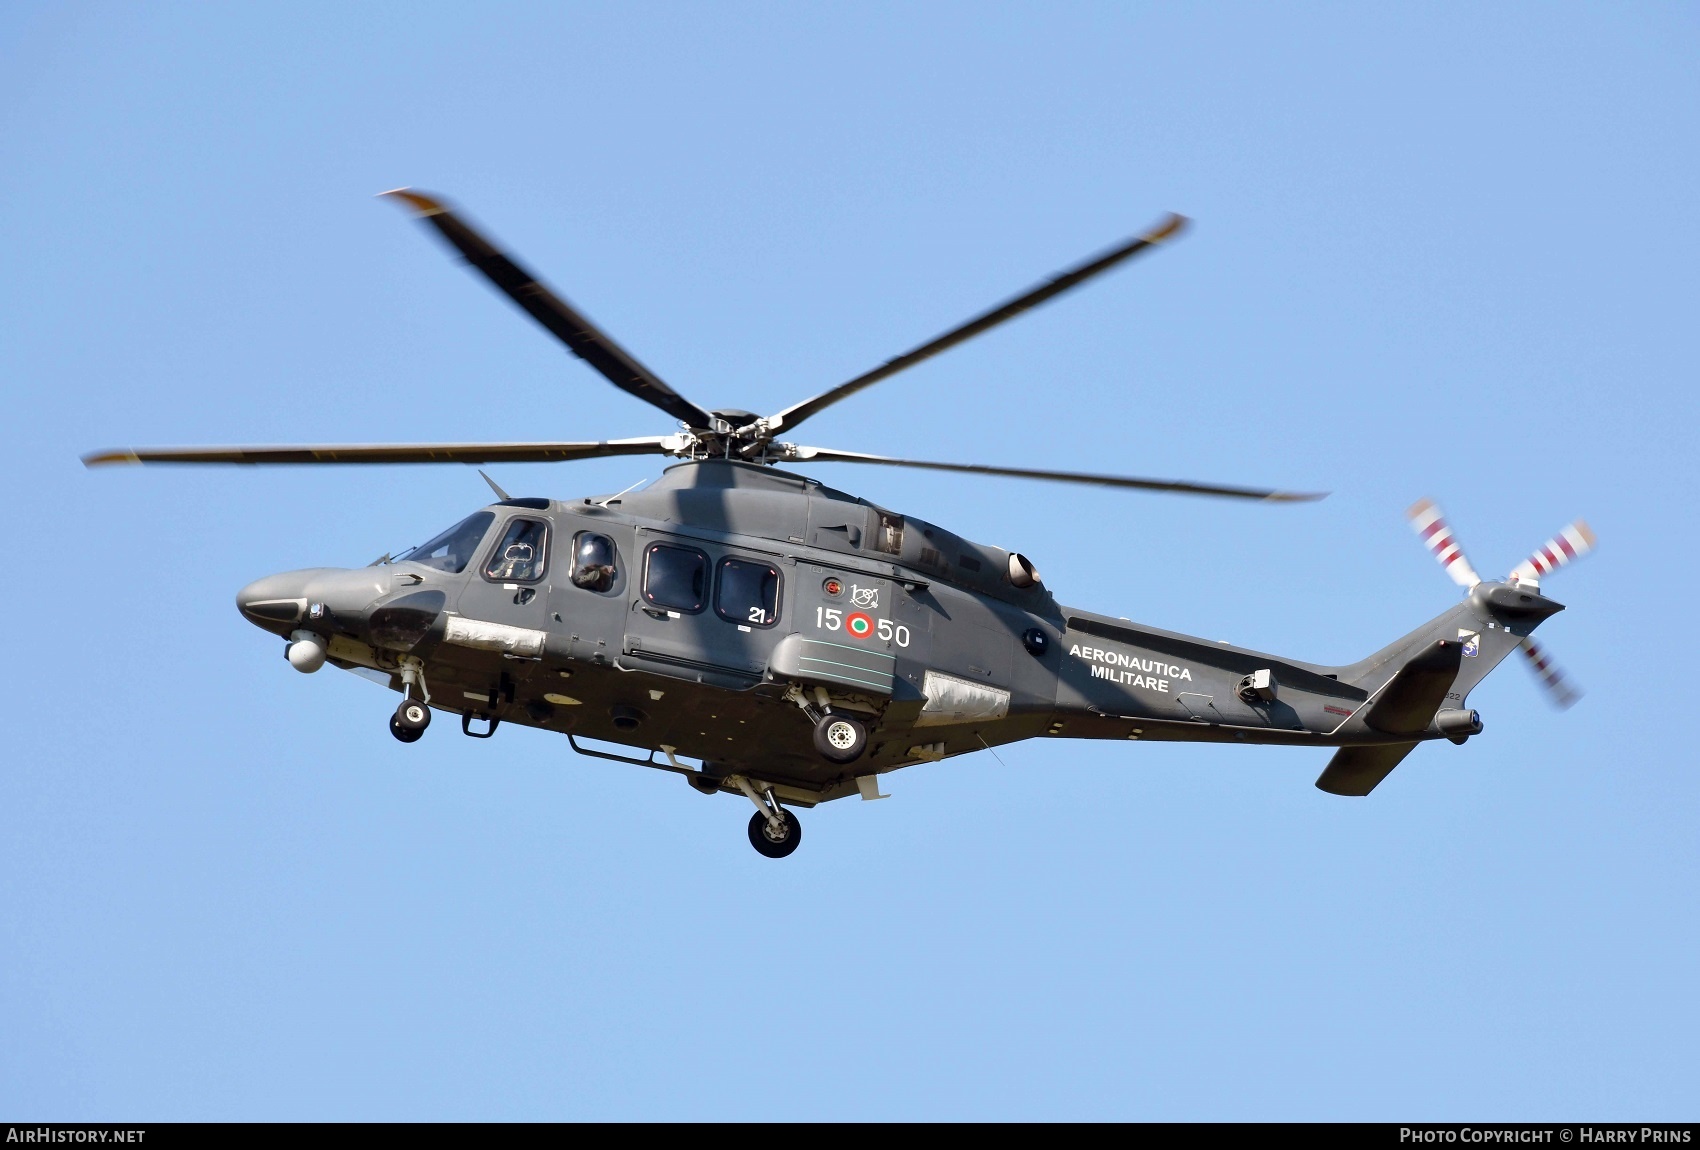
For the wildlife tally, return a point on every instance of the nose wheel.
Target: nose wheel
(410, 720)
(413, 716)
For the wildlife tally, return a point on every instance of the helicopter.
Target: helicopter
(800, 642)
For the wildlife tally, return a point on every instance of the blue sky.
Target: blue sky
(1441, 250)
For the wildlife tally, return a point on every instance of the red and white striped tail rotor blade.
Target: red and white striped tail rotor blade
(1558, 686)
(1561, 550)
(1436, 534)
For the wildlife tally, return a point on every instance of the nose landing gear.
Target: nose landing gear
(413, 716)
(410, 720)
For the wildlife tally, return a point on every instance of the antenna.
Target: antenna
(628, 490)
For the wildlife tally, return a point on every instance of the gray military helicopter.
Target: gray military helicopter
(799, 642)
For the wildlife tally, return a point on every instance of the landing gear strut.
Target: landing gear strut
(413, 716)
(774, 831)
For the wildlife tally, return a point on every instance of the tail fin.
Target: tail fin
(1355, 771)
(1433, 669)
(1413, 681)
(1481, 648)
(1405, 704)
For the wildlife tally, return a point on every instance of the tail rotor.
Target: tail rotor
(1563, 549)
(1559, 689)
(1431, 526)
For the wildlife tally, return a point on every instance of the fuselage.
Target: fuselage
(694, 615)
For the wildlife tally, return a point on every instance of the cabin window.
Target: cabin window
(748, 592)
(522, 554)
(676, 578)
(596, 561)
(453, 549)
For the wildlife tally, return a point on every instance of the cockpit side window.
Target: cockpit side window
(453, 549)
(596, 561)
(523, 553)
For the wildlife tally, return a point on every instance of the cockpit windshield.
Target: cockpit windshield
(453, 549)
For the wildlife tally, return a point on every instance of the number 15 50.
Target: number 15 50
(832, 619)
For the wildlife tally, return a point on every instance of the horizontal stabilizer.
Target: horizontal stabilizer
(1357, 770)
(1410, 700)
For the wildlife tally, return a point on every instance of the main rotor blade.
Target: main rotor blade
(583, 338)
(830, 455)
(1051, 288)
(386, 453)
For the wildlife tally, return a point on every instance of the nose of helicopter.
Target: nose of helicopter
(290, 600)
(277, 602)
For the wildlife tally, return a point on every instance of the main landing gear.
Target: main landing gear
(775, 841)
(774, 831)
(838, 738)
(413, 716)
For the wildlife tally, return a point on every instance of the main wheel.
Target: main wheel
(762, 837)
(402, 733)
(413, 716)
(840, 739)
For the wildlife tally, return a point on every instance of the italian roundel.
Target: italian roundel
(859, 625)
